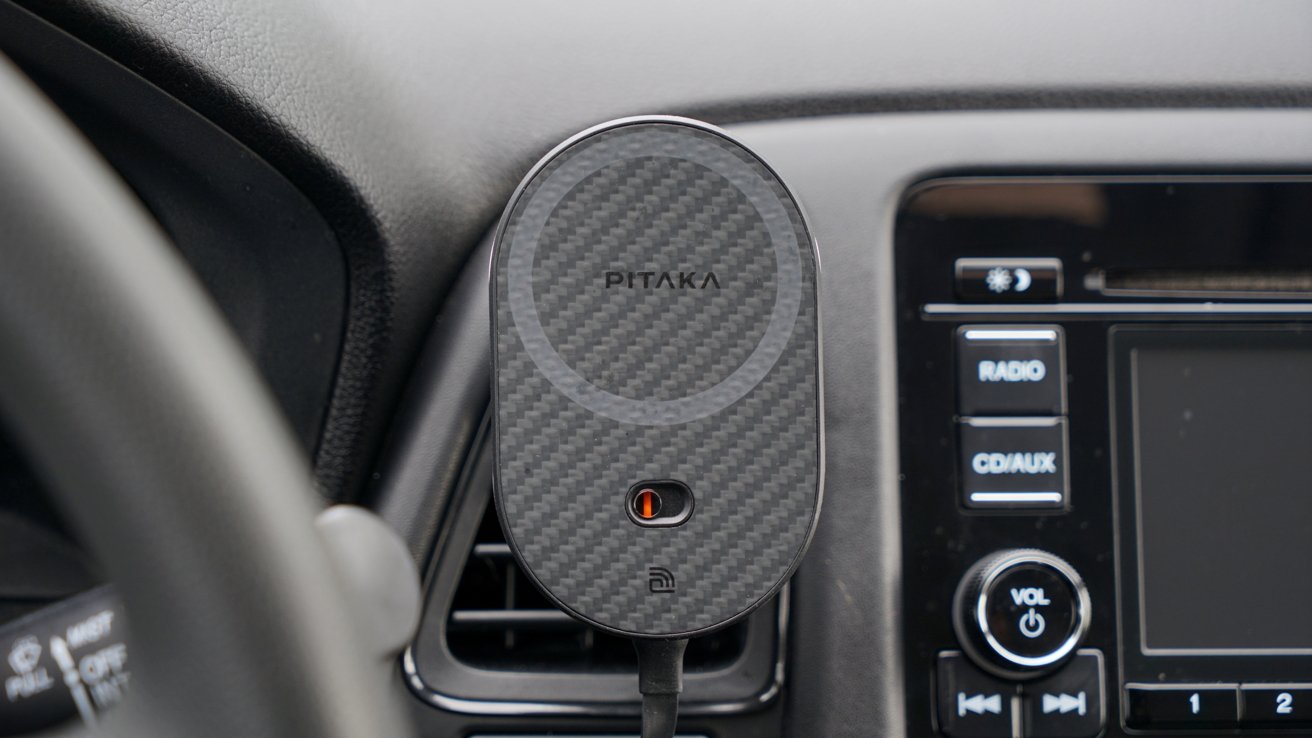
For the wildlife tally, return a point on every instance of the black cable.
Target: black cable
(660, 680)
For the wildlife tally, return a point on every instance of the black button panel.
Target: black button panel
(957, 395)
(1202, 706)
(1013, 463)
(1068, 704)
(1008, 280)
(1276, 705)
(972, 704)
(1010, 370)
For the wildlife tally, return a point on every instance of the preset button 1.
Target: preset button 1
(1151, 706)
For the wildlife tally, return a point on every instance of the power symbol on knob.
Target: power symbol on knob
(1032, 624)
(1020, 613)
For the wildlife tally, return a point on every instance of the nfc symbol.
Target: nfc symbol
(659, 580)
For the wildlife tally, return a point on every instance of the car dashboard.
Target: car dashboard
(1065, 290)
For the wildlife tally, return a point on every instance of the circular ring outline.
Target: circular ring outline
(788, 295)
(1083, 608)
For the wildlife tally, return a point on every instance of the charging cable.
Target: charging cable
(660, 680)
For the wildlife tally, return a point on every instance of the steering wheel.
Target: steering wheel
(167, 456)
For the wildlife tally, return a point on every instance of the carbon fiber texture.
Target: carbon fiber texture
(657, 197)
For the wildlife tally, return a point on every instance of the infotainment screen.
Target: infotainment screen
(1221, 421)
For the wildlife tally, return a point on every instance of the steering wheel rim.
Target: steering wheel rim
(166, 453)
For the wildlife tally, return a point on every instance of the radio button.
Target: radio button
(972, 704)
(1276, 705)
(1013, 463)
(1067, 704)
(1151, 706)
(1010, 370)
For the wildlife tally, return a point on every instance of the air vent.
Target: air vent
(490, 644)
(499, 620)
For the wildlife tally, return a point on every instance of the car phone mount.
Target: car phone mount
(657, 388)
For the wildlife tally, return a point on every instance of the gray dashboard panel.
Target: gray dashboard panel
(849, 173)
(845, 666)
(477, 91)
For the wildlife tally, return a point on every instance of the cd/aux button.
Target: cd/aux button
(1013, 463)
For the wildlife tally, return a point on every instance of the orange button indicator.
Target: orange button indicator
(659, 504)
(647, 504)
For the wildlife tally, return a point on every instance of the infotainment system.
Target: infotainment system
(1217, 425)
(1214, 492)
(1105, 409)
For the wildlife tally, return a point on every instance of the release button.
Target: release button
(1016, 463)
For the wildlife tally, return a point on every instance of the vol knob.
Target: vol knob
(1021, 613)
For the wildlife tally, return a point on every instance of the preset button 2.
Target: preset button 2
(1276, 705)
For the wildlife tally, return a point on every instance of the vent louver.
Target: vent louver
(499, 620)
(490, 644)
